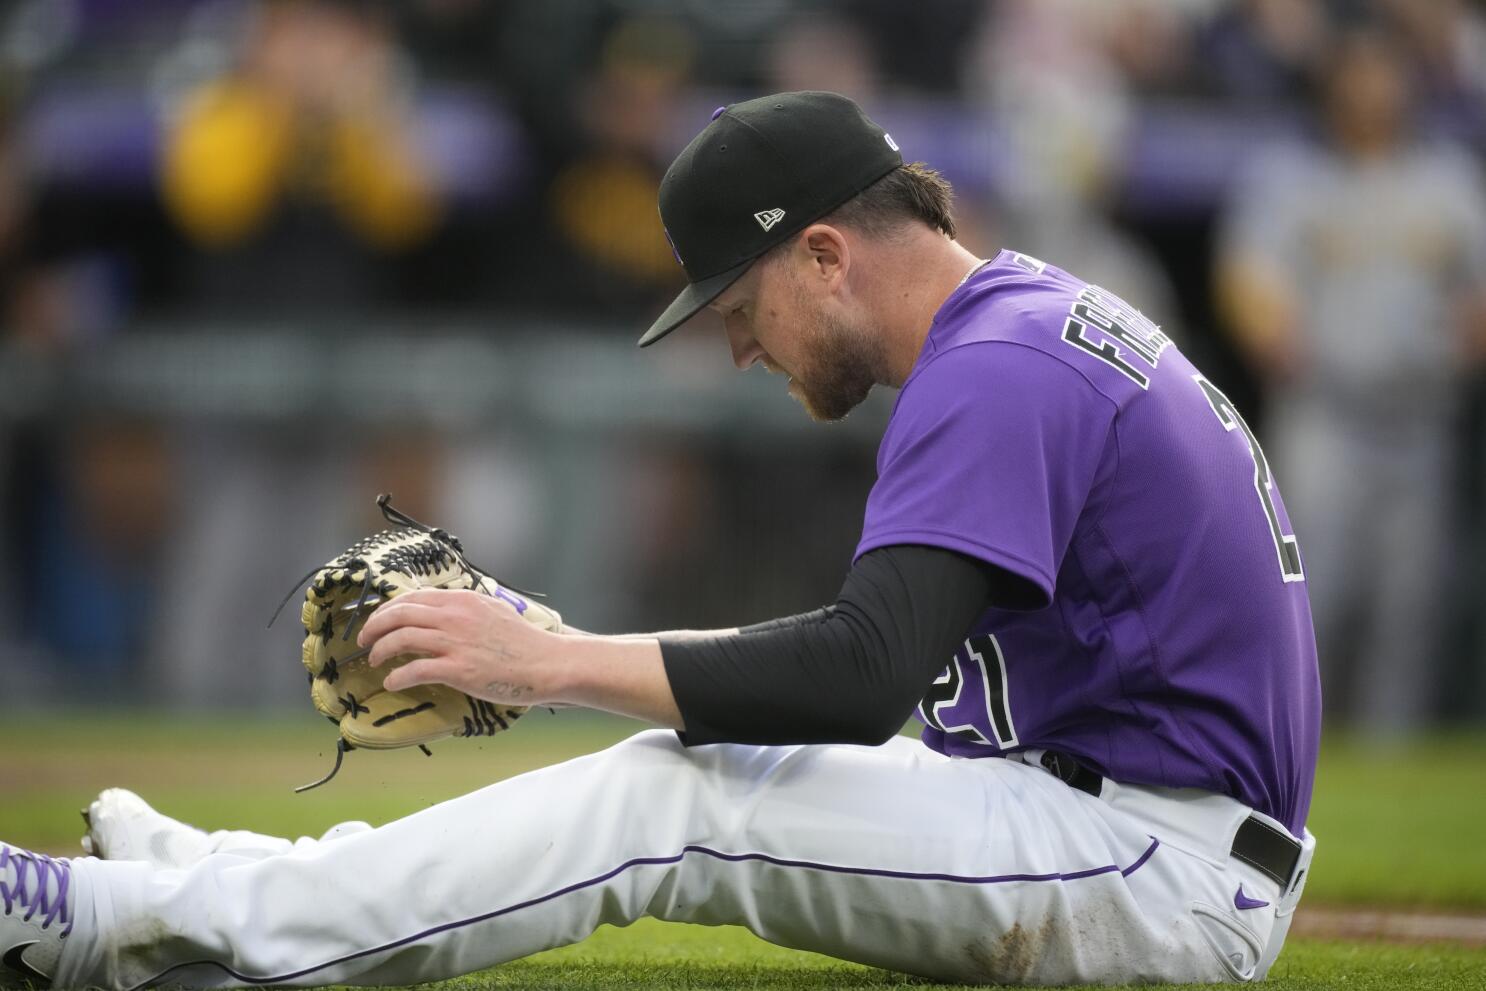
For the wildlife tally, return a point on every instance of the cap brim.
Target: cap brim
(695, 296)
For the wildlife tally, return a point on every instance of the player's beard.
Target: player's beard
(840, 364)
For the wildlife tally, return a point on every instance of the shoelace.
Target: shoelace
(53, 907)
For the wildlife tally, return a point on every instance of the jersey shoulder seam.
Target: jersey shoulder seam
(940, 353)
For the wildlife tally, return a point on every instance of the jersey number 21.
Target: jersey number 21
(969, 699)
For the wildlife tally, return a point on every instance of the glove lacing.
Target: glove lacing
(423, 558)
(394, 515)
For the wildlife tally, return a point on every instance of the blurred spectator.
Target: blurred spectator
(1151, 42)
(1064, 108)
(454, 39)
(1351, 272)
(293, 173)
(61, 278)
(12, 195)
(612, 260)
(97, 517)
(86, 500)
(1262, 52)
(1447, 41)
(823, 51)
(919, 45)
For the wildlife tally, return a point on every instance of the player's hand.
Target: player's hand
(472, 642)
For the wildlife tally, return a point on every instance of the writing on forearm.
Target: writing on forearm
(508, 690)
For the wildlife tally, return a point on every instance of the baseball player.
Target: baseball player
(1075, 568)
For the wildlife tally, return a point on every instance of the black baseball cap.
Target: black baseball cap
(758, 173)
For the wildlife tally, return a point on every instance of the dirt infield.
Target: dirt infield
(1389, 926)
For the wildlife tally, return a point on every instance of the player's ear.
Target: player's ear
(830, 256)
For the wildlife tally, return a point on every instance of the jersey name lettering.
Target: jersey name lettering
(1121, 332)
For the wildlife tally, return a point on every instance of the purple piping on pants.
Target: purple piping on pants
(1140, 861)
(653, 861)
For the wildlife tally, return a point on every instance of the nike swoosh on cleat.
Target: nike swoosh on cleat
(14, 959)
(1242, 901)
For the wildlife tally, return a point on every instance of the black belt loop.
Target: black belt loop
(1072, 773)
(1270, 851)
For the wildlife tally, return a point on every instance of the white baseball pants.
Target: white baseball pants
(895, 856)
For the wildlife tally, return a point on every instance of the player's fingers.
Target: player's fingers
(397, 613)
(424, 671)
(407, 640)
(428, 596)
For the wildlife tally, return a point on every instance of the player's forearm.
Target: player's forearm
(623, 675)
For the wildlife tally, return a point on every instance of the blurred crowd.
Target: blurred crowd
(1292, 188)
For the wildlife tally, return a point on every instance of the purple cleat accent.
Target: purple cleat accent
(35, 914)
(1242, 901)
(40, 886)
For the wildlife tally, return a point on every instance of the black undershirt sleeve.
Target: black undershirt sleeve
(851, 672)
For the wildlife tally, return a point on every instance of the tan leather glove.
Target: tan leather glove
(346, 689)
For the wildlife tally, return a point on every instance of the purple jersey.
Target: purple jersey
(1052, 430)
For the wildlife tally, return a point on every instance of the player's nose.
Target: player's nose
(746, 349)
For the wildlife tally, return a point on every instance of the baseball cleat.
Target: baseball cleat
(123, 826)
(35, 916)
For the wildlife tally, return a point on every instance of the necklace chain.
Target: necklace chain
(980, 264)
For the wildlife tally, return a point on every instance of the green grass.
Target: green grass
(239, 772)
(668, 956)
(1403, 826)
(1395, 828)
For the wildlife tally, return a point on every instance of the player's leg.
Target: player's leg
(1322, 464)
(969, 870)
(123, 826)
(977, 871)
(1398, 662)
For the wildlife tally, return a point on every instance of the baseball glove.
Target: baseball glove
(343, 685)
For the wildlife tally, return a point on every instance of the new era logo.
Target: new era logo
(768, 218)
